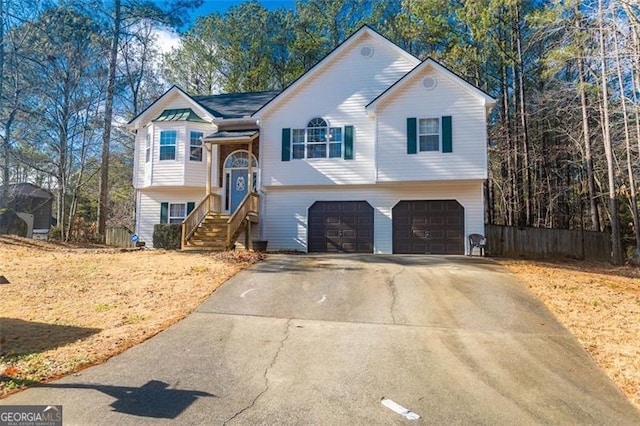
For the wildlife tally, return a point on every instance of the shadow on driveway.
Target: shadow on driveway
(153, 399)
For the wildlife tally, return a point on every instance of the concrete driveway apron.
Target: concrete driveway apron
(322, 339)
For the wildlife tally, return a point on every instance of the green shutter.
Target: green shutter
(164, 212)
(447, 134)
(190, 206)
(412, 145)
(286, 144)
(348, 142)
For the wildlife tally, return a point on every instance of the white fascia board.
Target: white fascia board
(326, 61)
(156, 107)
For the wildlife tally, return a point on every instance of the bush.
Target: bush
(167, 236)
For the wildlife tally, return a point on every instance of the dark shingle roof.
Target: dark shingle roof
(235, 105)
(28, 190)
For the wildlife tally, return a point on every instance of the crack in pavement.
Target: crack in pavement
(394, 293)
(266, 372)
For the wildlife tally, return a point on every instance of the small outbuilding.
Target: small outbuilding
(31, 199)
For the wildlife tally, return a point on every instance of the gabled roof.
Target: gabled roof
(317, 68)
(235, 105)
(28, 190)
(208, 108)
(183, 114)
(484, 97)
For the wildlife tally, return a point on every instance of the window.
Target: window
(147, 148)
(168, 145)
(177, 212)
(429, 134)
(317, 140)
(195, 145)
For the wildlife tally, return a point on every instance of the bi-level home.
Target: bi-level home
(370, 151)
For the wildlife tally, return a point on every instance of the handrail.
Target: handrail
(210, 203)
(249, 205)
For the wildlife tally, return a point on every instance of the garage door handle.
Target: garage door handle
(427, 234)
(340, 233)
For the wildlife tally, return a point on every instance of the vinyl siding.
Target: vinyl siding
(148, 213)
(469, 157)
(176, 172)
(338, 93)
(284, 218)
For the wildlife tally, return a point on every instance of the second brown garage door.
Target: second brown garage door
(428, 226)
(341, 226)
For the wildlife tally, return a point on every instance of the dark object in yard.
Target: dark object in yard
(260, 245)
(12, 224)
(3, 280)
(477, 240)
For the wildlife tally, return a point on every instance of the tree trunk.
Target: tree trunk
(4, 199)
(593, 203)
(633, 199)
(606, 137)
(527, 192)
(108, 117)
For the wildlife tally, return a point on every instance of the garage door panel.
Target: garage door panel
(341, 226)
(428, 226)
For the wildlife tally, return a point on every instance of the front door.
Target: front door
(238, 187)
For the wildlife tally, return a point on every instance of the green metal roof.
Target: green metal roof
(184, 114)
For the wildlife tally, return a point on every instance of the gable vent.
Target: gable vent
(367, 51)
(429, 83)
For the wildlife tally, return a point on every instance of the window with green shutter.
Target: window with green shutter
(348, 142)
(164, 212)
(286, 144)
(429, 134)
(412, 146)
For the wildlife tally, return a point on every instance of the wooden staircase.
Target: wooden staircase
(211, 234)
(205, 228)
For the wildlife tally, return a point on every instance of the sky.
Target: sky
(169, 38)
(210, 6)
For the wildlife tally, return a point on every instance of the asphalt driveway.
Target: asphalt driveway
(322, 339)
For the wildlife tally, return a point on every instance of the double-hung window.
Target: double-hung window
(195, 146)
(177, 212)
(317, 140)
(147, 148)
(168, 145)
(429, 134)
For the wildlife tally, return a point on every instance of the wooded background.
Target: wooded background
(564, 137)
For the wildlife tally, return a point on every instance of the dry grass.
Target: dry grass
(67, 308)
(600, 305)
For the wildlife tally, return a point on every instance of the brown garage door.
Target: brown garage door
(341, 226)
(433, 226)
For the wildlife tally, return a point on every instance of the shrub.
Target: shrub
(167, 236)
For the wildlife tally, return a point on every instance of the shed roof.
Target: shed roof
(29, 190)
(183, 114)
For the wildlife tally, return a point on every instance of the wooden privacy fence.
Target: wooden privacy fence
(511, 241)
(118, 237)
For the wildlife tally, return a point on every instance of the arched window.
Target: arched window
(317, 140)
(240, 160)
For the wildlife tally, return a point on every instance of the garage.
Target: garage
(428, 227)
(340, 227)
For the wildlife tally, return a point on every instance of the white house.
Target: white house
(371, 150)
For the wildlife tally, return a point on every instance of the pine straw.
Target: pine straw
(68, 308)
(600, 305)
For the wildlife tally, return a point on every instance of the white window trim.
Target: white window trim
(418, 134)
(181, 218)
(147, 148)
(306, 143)
(201, 146)
(175, 146)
